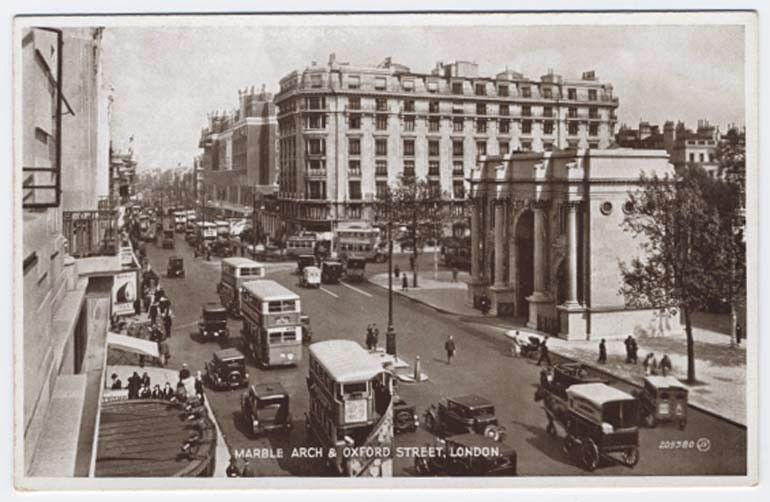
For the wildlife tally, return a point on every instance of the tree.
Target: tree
(680, 231)
(423, 210)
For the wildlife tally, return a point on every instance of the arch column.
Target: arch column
(500, 226)
(540, 302)
(572, 253)
(476, 232)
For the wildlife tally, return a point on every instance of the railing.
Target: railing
(41, 187)
(91, 233)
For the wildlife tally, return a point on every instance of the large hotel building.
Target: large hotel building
(346, 132)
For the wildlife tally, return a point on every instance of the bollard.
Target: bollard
(417, 369)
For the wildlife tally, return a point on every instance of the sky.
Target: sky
(165, 80)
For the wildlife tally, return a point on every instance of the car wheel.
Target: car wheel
(589, 454)
(650, 421)
(631, 457)
(492, 432)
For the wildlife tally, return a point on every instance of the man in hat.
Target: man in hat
(450, 348)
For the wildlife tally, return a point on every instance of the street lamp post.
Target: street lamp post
(390, 335)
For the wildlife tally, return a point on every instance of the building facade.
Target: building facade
(347, 132)
(547, 240)
(239, 154)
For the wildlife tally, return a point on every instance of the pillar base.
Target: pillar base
(503, 300)
(573, 321)
(542, 315)
(476, 288)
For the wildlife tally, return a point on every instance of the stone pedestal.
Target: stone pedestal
(573, 321)
(540, 308)
(476, 288)
(503, 300)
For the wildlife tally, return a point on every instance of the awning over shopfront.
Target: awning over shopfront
(132, 344)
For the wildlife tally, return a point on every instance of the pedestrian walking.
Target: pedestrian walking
(375, 336)
(450, 348)
(368, 337)
(153, 312)
(167, 324)
(634, 350)
(515, 344)
(544, 356)
(397, 271)
(665, 365)
(404, 282)
(738, 333)
(199, 386)
(602, 351)
(650, 364)
(164, 305)
(627, 344)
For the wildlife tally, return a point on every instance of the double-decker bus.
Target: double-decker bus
(235, 272)
(297, 245)
(351, 407)
(180, 221)
(272, 325)
(207, 231)
(359, 241)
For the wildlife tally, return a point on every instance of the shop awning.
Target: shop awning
(132, 344)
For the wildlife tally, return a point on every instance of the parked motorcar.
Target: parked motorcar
(405, 418)
(227, 369)
(469, 413)
(265, 408)
(467, 455)
(213, 321)
(662, 399)
(175, 267)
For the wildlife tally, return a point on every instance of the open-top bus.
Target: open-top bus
(235, 272)
(272, 328)
(351, 407)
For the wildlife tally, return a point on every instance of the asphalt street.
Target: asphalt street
(482, 366)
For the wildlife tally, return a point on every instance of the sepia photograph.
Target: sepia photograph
(385, 250)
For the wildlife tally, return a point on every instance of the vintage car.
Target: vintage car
(307, 331)
(175, 266)
(470, 413)
(467, 454)
(405, 418)
(305, 260)
(168, 239)
(331, 272)
(213, 321)
(662, 399)
(227, 370)
(599, 421)
(311, 277)
(265, 408)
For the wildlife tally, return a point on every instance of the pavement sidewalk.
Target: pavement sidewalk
(720, 369)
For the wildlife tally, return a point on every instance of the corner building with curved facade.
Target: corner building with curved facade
(547, 240)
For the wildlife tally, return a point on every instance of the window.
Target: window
(572, 128)
(593, 112)
(433, 148)
(547, 111)
(354, 122)
(316, 190)
(502, 90)
(481, 148)
(381, 123)
(457, 87)
(281, 306)
(433, 107)
(711, 157)
(572, 94)
(432, 87)
(315, 121)
(505, 110)
(409, 124)
(457, 168)
(526, 146)
(594, 145)
(315, 146)
(457, 148)
(505, 126)
(702, 157)
(526, 111)
(354, 146)
(457, 125)
(547, 146)
(354, 168)
(354, 103)
(593, 129)
(409, 147)
(592, 94)
(315, 165)
(692, 157)
(434, 187)
(381, 147)
(433, 168)
(572, 112)
(379, 83)
(409, 105)
(481, 89)
(547, 93)
(354, 82)
(526, 127)
(381, 187)
(408, 168)
(548, 127)
(458, 189)
(381, 104)
(354, 190)
(481, 126)
(381, 168)
(315, 81)
(434, 125)
(504, 147)
(526, 92)
(315, 103)
(481, 109)
(408, 85)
